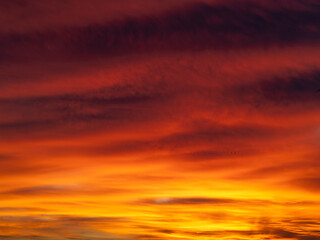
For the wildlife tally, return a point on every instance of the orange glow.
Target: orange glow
(159, 120)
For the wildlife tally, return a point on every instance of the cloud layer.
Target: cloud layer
(193, 119)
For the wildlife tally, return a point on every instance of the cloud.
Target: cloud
(202, 200)
(58, 218)
(63, 114)
(194, 27)
(170, 201)
(291, 92)
(244, 203)
(150, 108)
(92, 235)
(272, 172)
(44, 189)
(28, 237)
(51, 15)
(207, 155)
(310, 184)
(305, 222)
(22, 167)
(5, 157)
(90, 219)
(21, 209)
(272, 233)
(282, 233)
(59, 227)
(210, 136)
(60, 190)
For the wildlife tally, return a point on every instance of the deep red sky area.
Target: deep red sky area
(159, 120)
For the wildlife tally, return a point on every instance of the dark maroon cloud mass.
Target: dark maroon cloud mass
(191, 26)
(158, 119)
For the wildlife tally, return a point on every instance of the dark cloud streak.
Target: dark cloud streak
(196, 27)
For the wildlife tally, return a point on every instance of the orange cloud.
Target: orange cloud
(159, 120)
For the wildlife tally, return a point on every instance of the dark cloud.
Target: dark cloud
(47, 226)
(264, 230)
(21, 209)
(200, 200)
(115, 95)
(267, 233)
(90, 219)
(147, 237)
(60, 115)
(303, 222)
(92, 235)
(45, 189)
(28, 237)
(191, 201)
(187, 201)
(24, 219)
(213, 142)
(136, 102)
(60, 190)
(58, 218)
(292, 92)
(216, 133)
(166, 231)
(278, 170)
(31, 15)
(4, 157)
(196, 27)
(22, 167)
(113, 108)
(282, 233)
(309, 184)
(206, 155)
(222, 201)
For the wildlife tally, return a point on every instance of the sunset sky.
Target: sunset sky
(159, 119)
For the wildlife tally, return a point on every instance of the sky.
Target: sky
(159, 120)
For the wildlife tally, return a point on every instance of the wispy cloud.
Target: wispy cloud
(180, 119)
